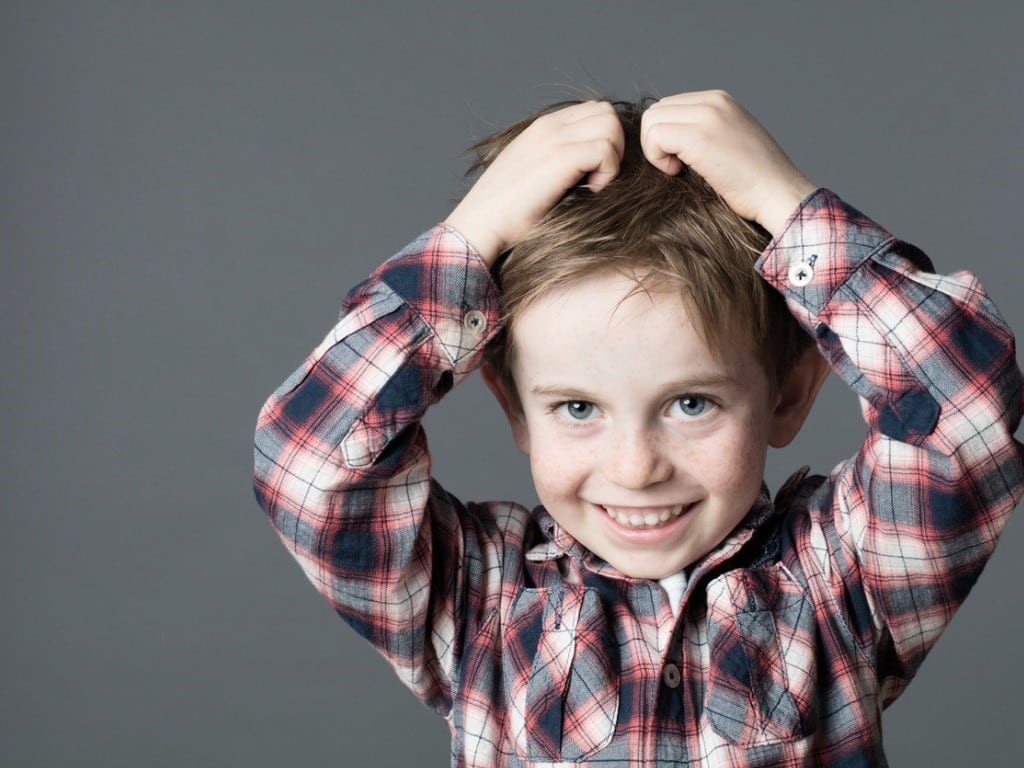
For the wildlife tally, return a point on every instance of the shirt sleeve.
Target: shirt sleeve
(900, 532)
(342, 467)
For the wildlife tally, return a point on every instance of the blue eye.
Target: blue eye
(577, 410)
(691, 405)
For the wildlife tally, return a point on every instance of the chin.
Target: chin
(652, 571)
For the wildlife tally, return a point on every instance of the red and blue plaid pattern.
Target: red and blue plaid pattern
(792, 635)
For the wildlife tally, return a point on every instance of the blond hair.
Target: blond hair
(665, 232)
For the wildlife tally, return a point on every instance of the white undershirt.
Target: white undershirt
(674, 587)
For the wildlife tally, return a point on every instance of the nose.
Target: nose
(636, 459)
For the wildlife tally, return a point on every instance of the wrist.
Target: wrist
(486, 244)
(781, 204)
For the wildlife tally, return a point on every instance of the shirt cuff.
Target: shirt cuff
(442, 278)
(821, 245)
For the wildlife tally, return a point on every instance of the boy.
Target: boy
(658, 609)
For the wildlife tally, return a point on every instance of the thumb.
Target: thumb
(669, 164)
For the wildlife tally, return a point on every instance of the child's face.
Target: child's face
(646, 448)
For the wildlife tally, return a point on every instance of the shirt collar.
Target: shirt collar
(557, 542)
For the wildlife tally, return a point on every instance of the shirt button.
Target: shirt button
(475, 321)
(670, 675)
(800, 274)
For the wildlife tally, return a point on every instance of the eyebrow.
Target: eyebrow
(710, 381)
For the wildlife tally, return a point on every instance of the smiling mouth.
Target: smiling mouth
(644, 517)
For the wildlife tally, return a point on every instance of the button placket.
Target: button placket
(670, 675)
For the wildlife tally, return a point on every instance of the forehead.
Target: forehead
(609, 324)
(601, 305)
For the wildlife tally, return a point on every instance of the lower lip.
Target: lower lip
(646, 536)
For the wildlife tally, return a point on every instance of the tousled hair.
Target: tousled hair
(666, 233)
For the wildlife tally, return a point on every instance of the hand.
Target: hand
(710, 132)
(535, 170)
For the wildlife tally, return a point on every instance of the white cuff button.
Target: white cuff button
(475, 321)
(800, 274)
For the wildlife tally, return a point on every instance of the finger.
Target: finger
(596, 159)
(713, 96)
(593, 146)
(715, 110)
(602, 122)
(697, 112)
(668, 141)
(584, 110)
(583, 140)
(607, 168)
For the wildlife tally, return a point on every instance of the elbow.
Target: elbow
(264, 470)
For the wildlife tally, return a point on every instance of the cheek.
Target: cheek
(559, 466)
(730, 462)
(747, 475)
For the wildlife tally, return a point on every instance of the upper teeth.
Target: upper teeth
(637, 518)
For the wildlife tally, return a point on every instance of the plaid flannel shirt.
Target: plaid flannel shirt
(792, 635)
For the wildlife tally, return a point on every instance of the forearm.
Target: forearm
(914, 515)
(341, 464)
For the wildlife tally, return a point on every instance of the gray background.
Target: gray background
(186, 192)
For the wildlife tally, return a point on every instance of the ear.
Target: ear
(797, 396)
(509, 402)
